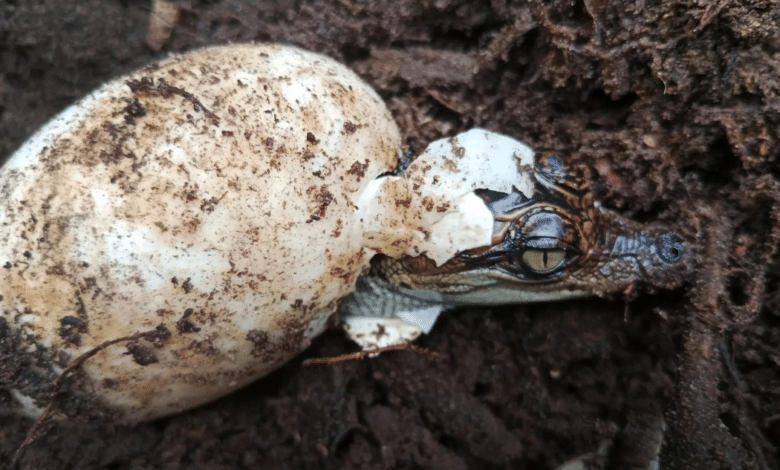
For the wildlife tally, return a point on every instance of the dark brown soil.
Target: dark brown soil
(677, 108)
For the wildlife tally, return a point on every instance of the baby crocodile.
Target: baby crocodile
(551, 243)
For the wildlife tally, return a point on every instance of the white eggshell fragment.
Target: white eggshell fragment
(432, 207)
(376, 333)
(214, 193)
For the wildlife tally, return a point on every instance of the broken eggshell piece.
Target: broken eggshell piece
(432, 208)
(213, 194)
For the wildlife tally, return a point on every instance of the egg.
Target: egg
(213, 195)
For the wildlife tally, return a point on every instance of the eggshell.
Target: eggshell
(432, 207)
(213, 193)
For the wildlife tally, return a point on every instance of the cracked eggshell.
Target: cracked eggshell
(213, 193)
(432, 207)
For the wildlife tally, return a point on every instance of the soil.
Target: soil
(675, 105)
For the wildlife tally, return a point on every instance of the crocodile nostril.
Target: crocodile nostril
(670, 247)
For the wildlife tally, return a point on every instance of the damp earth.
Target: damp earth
(676, 108)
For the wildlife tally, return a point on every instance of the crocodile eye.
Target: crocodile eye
(543, 261)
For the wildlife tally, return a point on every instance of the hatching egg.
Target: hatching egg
(188, 228)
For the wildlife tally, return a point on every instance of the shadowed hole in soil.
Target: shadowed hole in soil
(716, 166)
(606, 112)
(224, 23)
(449, 36)
(354, 52)
(440, 112)
(600, 110)
(651, 213)
(480, 390)
(729, 419)
(738, 285)
(523, 53)
(447, 441)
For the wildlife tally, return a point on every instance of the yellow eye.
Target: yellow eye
(543, 261)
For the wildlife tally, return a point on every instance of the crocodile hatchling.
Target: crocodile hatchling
(233, 197)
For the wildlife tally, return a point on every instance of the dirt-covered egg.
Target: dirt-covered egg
(212, 195)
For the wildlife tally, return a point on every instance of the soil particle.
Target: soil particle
(262, 347)
(71, 328)
(141, 353)
(678, 111)
(185, 324)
